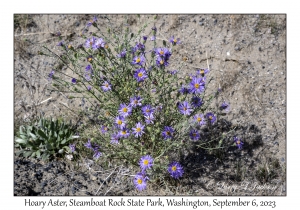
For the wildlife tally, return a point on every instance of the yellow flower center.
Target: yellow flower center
(105, 128)
(175, 40)
(194, 134)
(161, 52)
(184, 108)
(174, 168)
(69, 46)
(106, 46)
(139, 181)
(147, 110)
(125, 109)
(91, 43)
(106, 85)
(146, 162)
(210, 117)
(238, 142)
(199, 119)
(90, 59)
(161, 62)
(168, 133)
(135, 101)
(196, 85)
(202, 71)
(140, 74)
(123, 132)
(138, 129)
(119, 122)
(138, 60)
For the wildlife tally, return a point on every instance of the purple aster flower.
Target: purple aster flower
(174, 41)
(173, 72)
(184, 90)
(196, 102)
(104, 129)
(199, 118)
(197, 85)
(87, 77)
(161, 62)
(122, 54)
(153, 38)
(124, 132)
(163, 52)
(147, 110)
(158, 108)
(146, 162)
(140, 46)
(106, 86)
(88, 68)
(120, 121)
(140, 75)
(136, 101)
(97, 154)
(72, 147)
(194, 134)
(211, 117)
(50, 76)
(225, 106)
(168, 132)
(145, 38)
(89, 87)
(124, 110)
(89, 42)
(73, 80)
(99, 43)
(115, 138)
(61, 43)
(140, 182)
(139, 60)
(91, 22)
(149, 118)
(185, 108)
(175, 170)
(154, 28)
(238, 142)
(88, 144)
(202, 72)
(138, 130)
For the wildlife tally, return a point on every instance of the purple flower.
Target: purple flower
(153, 38)
(184, 108)
(122, 54)
(140, 75)
(87, 77)
(106, 86)
(138, 130)
(97, 154)
(225, 106)
(145, 38)
(124, 110)
(196, 102)
(120, 121)
(154, 28)
(88, 144)
(72, 147)
(61, 43)
(88, 68)
(73, 80)
(184, 90)
(124, 132)
(91, 22)
(174, 41)
(104, 129)
(173, 72)
(199, 118)
(163, 52)
(238, 142)
(211, 117)
(139, 46)
(140, 182)
(89, 42)
(50, 76)
(139, 60)
(149, 118)
(99, 43)
(161, 62)
(89, 87)
(194, 134)
(136, 101)
(147, 110)
(115, 138)
(168, 132)
(175, 170)
(146, 162)
(202, 72)
(197, 85)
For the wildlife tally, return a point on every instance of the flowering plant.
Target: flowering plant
(143, 115)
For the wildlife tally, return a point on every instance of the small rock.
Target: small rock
(92, 177)
(201, 23)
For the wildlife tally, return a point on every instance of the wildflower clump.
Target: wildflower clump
(145, 115)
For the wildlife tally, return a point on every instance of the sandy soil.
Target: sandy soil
(247, 58)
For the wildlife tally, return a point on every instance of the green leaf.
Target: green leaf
(164, 43)
(63, 141)
(38, 153)
(42, 134)
(27, 153)
(33, 136)
(21, 141)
